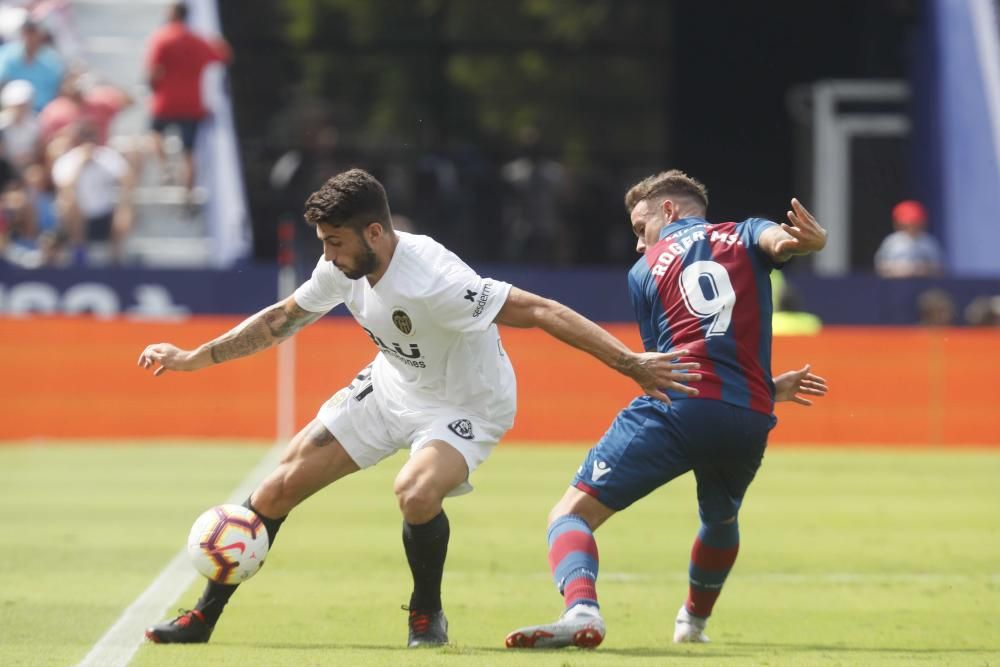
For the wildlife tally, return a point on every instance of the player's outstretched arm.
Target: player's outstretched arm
(258, 332)
(802, 236)
(789, 385)
(653, 371)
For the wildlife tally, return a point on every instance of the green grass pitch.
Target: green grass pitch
(849, 557)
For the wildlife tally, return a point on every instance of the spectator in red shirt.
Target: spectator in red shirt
(82, 100)
(175, 61)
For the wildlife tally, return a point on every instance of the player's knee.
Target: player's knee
(557, 512)
(418, 503)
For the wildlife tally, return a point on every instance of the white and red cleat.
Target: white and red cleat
(581, 625)
(689, 629)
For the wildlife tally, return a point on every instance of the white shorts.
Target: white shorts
(370, 428)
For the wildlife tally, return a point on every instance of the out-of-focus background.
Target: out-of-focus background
(510, 132)
(152, 178)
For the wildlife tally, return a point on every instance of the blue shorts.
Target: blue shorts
(187, 127)
(651, 443)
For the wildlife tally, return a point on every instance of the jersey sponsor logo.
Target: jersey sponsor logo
(483, 298)
(462, 428)
(470, 295)
(402, 321)
(410, 357)
(601, 468)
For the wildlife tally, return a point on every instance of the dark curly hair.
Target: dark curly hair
(353, 198)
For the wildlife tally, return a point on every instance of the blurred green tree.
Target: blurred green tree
(429, 72)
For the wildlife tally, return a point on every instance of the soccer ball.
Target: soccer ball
(228, 544)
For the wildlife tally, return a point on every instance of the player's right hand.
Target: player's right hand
(169, 357)
(657, 372)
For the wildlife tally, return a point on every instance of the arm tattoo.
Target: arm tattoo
(284, 323)
(261, 331)
(240, 342)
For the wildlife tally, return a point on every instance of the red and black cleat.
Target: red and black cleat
(188, 628)
(427, 628)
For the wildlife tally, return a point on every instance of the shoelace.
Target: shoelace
(420, 621)
(186, 615)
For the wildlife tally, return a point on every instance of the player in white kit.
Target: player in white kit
(441, 384)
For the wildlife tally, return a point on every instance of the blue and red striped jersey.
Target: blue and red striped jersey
(706, 287)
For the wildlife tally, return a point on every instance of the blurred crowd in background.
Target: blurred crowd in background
(68, 180)
(509, 142)
(66, 191)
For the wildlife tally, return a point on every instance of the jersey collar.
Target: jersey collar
(678, 224)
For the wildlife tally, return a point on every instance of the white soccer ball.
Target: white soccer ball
(228, 544)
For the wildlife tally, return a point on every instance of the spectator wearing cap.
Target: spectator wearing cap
(19, 128)
(909, 251)
(176, 58)
(31, 59)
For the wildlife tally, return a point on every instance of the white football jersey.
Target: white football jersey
(431, 318)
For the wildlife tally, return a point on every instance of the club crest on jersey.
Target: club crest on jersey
(462, 428)
(402, 321)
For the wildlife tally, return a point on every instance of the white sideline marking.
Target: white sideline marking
(119, 644)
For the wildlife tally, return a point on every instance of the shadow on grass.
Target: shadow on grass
(729, 650)
(757, 646)
(466, 650)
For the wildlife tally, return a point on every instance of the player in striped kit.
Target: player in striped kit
(701, 291)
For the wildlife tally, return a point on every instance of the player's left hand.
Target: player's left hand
(788, 386)
(656, 372)
(806, 234)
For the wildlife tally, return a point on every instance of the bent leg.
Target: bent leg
(430, 474)
(712, 557)
(573, 556)
(312, 460)
(731, 444)
(574, 563)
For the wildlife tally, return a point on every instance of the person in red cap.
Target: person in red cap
(909, 251)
